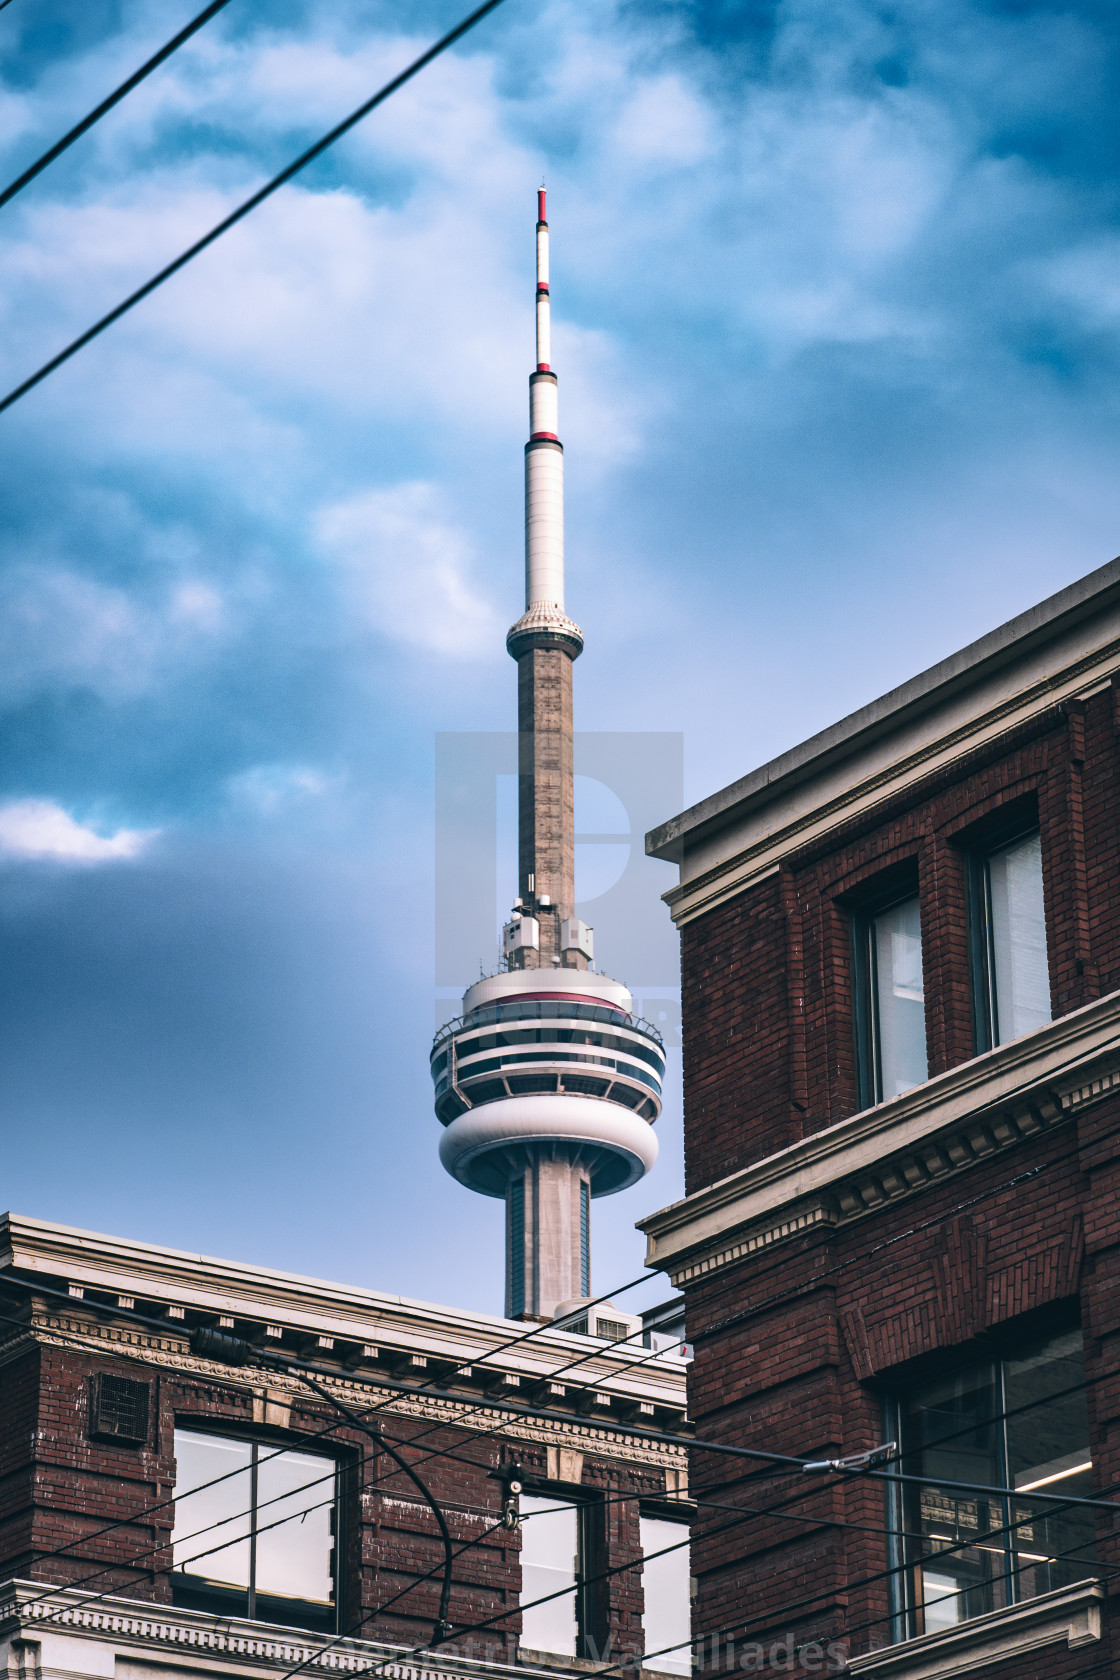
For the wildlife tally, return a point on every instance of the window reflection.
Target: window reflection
(1011, 980)
(889, 996)
(550, 1563)
(253, 1533)
(667, 1616)
(899, 999)
(1018, 1423)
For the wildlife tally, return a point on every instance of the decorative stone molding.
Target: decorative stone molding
(1062, 650)
(54, 1330)
(1071, 1616)
(304, 1312)
(885, 1154)
(134, 1629)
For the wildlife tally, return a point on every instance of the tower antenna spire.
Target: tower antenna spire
(546, 1130)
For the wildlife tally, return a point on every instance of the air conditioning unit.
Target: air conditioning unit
(577, 936)
(522, 934)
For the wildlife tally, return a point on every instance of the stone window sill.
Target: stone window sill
(1070, 1616)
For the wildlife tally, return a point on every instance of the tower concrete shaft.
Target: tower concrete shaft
(548, 1231)
(546, 1085)
(545, 642)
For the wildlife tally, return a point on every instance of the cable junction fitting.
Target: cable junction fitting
(869, 1460)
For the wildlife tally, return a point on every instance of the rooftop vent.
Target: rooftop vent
(119, 1409)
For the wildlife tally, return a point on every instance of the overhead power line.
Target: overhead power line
(107, 104)
(253, 201)
(37, 1287)
(740, 1515)
(234, 1351)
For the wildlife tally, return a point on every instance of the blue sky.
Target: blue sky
(837, 316)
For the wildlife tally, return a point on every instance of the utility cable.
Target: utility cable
(442, 1625)
(251, 203)
(1102, 1573)
(234, 1350)
(106, 105)
(161, 1326)
(478, 1627)
(739, 1517)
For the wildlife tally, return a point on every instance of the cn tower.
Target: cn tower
(547, 1085)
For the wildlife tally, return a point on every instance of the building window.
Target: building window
(1011, 979)
(584, 1237)
(552, 1551)
(517, 1247)
(667, 1616)
(254, 1531)
(1019, 1423)
(890, 1013)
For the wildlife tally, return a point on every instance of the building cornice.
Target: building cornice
(308, 1308)
(1071, 1616)
(281, 1391)
(740, 836)
(884, 1154)
(201, 1641)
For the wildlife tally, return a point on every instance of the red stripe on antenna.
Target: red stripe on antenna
(541, 217)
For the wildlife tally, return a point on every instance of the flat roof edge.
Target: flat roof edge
(998, 647)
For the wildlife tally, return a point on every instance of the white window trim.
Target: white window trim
(1071, 1615)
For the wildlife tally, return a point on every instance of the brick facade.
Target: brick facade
(805, 1330)
(62, 1484)
(766, 978)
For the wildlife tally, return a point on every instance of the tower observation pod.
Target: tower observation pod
(547, 1085)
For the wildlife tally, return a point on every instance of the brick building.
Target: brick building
(163, 1514)
(901, 983)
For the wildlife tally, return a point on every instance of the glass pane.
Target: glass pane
(899, 999)
(950, 1430)
(1021, 979)
(549, 1561)
(1048, 1447)
(295, 1498)
(667, 1617)
(200, 1459)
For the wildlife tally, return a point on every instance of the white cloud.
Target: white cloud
(408, 570)
(40, 829)
(666, 122)
(62, 630)
(270, 790)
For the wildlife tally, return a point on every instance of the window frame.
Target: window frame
(900, 887)
(997, 835)
(263, 1439)
(588, 1505)
(905, 1598)
(668, 1512)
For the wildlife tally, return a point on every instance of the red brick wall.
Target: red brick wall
(796, 1350)
(58, 1486)
(768, 1041)
(797, 1347)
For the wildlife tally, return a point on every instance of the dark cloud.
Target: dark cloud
(837, 334)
